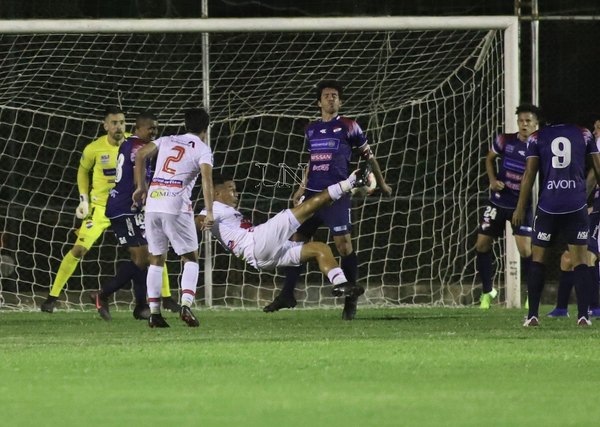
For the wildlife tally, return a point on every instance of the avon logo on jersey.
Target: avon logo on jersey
(323, 157)
(544, 236)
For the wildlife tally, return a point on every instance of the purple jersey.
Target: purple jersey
(330, 145)
(512, 151)
(562, 151)
(119, 199)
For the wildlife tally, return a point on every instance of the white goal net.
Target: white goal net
(430, 100)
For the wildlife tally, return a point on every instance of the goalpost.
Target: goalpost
(430, 92)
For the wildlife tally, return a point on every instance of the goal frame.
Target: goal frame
(508, 24)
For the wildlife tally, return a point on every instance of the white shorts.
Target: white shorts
(272, 247)
(164, 228)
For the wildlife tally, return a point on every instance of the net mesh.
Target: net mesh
(429, 102)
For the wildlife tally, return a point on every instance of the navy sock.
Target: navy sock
(124, 275)
(583, 286)
(525, 263)
(535, 285)
(349, 265)
(595, 297)
(565, 284)
(139, 285)
(485, 267)
(292, 274)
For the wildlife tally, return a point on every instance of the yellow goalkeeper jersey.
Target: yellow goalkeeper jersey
(100, 157)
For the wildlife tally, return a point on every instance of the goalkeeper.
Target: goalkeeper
(267, 246)
(100, 158)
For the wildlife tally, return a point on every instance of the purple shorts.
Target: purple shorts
(574, 227)
(336, 216)
(494, 219)
(129, 230)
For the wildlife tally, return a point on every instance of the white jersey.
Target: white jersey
(232, 230)
(265, 246)
(177, 167)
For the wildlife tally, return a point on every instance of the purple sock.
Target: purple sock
(535, 285)
(485, 266)
(349, 265)
(292, 274)
(125, 273)
(565, 284)
(583, 289)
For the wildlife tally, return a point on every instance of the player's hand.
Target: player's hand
(209, 221)
(496, 185)
(518, 216)
(84, 206)
(138, 198)
(386, 190)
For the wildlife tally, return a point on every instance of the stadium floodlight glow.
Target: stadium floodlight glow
(430, 92)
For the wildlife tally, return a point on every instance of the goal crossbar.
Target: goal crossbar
(210, 25)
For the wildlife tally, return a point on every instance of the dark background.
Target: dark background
(569, 50)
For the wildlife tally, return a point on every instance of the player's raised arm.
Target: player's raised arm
(368, 155)
(146, 152)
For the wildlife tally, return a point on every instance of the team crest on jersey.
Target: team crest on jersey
(310, 133)
(104, 158)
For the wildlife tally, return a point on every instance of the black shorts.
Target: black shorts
(574, 226)
(130, 230)
(494, 219)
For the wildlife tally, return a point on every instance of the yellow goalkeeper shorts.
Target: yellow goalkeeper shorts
(93, 226)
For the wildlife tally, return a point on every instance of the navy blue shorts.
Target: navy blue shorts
(494, 219)
(336, 216)
(130, 230)
(574, 227)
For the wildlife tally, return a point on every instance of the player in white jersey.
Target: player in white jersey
(267, 246)
(169, 213)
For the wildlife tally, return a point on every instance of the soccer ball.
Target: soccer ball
(368, 189)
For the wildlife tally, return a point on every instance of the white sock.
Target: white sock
(336, 276)
(336, 191)
(189, 282)
(154, 286)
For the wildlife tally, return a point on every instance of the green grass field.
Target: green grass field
(389, 367)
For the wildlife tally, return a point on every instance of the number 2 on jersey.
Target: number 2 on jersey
(561, 148)
(173, 159)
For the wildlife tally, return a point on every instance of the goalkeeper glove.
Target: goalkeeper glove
(84, 206)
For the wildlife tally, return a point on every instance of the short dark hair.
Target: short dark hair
(196, 120)
(219, 178)
(530, 108)
(113, 109)
(332, 84)
(146, 115)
